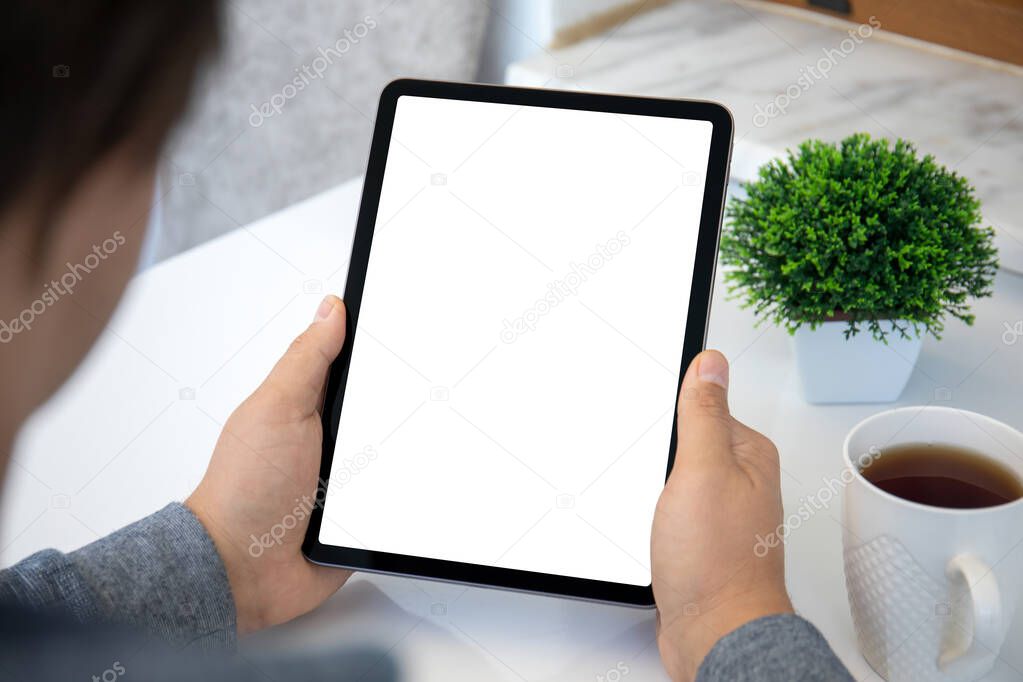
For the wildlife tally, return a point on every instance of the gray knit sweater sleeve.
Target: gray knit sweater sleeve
(160, 575)
(773, 649)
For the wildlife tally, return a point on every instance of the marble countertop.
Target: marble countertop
(786, 79)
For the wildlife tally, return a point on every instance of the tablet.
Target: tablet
(531, 274)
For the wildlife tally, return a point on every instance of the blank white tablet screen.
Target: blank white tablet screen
(514, 371)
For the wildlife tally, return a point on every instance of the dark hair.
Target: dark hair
(81, 78)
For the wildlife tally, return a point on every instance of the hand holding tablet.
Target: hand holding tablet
(723, 493)
(530, 274)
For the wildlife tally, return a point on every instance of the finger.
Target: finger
(299, 376)
(704, 422)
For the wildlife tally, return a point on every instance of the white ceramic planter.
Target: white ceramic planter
(858, 370)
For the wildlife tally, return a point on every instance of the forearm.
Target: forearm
(773, 649)
(161, 574)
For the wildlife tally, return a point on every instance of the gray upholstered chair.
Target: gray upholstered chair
(288, 110)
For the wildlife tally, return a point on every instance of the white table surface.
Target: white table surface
(122, 439)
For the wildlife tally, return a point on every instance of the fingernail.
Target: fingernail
(714, 368)
(326, 305)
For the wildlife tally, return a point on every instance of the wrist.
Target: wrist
(685, 639)
(249, 615)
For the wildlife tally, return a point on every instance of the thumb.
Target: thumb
(298, 377)
(704, 422)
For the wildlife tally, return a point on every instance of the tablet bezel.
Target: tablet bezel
(695, 334)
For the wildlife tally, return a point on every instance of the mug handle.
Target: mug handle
(979, 648)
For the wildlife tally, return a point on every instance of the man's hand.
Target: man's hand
(723, 492)
(255, 498)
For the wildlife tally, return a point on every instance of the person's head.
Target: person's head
(92, 89)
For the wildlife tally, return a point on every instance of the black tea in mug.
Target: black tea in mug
(942, 475)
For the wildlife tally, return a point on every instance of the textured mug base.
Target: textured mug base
(904, 617)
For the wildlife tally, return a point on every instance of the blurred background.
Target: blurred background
(288, 110)
(317, 67)
(231, 164)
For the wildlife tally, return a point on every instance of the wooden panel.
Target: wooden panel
(992, 28)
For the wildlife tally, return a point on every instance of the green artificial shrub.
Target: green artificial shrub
(860, 231)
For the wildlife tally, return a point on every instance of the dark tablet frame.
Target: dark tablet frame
(695, 334)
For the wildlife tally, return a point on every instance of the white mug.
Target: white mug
(932, 590)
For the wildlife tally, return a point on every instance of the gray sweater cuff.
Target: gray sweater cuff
(775, 648)
(164, 575)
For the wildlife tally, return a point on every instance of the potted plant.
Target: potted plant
(858, 249)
